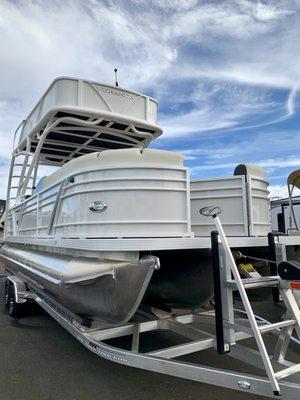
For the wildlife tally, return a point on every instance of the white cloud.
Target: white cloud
(89, 38)
(229, 56)
(234, 104)
(280, 163)
(265, 12)
(222, 18)
(280, 191)
(269, 163)
(196, 122)
(178, 5)
(290, 104)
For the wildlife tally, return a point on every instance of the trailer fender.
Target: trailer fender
(19, 286)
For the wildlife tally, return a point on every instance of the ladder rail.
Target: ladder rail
(292, 307)
(282, 344)
(292, 317)
(248, 309)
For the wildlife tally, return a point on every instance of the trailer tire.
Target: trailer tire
(6, 292)
(14, 308)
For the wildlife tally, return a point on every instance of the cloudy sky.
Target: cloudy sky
(226, 73)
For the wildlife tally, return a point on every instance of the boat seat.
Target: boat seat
(108, 158)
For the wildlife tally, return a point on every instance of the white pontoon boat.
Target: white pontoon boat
(116, 229)
(108, 188)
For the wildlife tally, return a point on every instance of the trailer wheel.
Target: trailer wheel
(6, 292)
(14, 308)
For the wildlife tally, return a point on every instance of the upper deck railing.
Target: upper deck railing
(83, 116)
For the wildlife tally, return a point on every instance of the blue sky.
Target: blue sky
(226, 73)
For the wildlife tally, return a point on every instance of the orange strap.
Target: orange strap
(295, 285)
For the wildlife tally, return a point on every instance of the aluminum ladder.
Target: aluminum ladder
(287, 326)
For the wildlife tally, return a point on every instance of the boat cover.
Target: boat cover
(294, 179)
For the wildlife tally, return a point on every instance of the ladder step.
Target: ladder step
(254, 283)
(287, 371)
(19, 176)
(276, 325)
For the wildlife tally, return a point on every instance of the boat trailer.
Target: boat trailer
(228, 328)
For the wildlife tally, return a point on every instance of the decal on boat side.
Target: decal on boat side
(96, 349)
(117, 93)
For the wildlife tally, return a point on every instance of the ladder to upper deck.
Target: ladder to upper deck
(21, 184)
(230, 280)
(19, 170)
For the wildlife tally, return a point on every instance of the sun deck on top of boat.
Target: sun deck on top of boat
(76, 117)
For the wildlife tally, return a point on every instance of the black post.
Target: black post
(273, 267)
(217, 292)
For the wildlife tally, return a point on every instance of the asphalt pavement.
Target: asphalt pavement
(42, 361)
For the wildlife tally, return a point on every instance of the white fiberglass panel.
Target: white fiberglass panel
(145, 195)
(259, 206)
(66, 92)
(227, 193)
(49, 102)
(139, 210)
(243, 200)
(152, 111)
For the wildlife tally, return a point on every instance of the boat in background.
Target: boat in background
(285, 214)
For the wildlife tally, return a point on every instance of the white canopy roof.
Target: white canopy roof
(82, 116)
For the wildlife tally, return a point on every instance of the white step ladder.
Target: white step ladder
(18, 171)
(287, 326)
